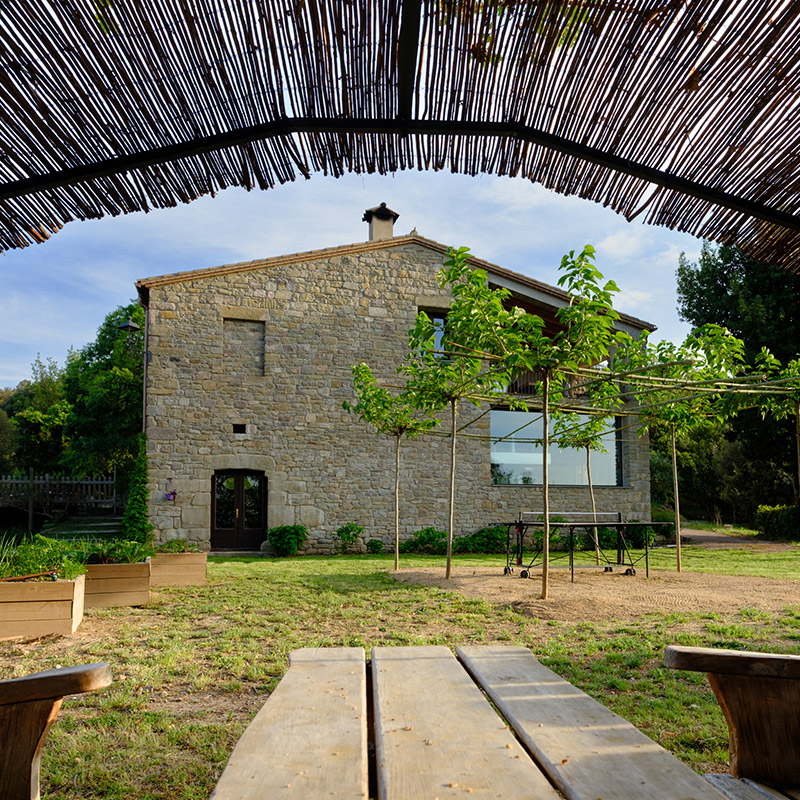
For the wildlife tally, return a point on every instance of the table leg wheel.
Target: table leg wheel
(524, 574)
(608, 569)
(630, 571)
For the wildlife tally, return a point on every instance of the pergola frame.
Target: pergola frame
(682, 109)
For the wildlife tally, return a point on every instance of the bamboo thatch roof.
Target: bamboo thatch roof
(683, 111)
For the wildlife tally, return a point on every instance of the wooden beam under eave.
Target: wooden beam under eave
(407, 50)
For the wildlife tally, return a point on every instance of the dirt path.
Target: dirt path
(742, 541)
(610, 596)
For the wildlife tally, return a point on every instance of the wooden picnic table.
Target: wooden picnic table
(422, 723)
(759, 694)
(28, 708)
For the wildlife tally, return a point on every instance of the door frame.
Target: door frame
(239, 537)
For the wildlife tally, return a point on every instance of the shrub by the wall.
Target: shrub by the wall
(428, 540)
(375, 546)
(491, 539)
(286, 540)
(349, 536)
(778, 522)
(664, 515)
(431, 541)
(134, 520)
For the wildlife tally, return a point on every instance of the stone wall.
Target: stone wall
(208, 373)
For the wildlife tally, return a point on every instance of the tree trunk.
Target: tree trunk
(594, 507)
(677, 501)
(797, 445)
(454, 412)
(545, 487)
(397, 505)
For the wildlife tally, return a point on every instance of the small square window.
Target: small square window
(239, 427)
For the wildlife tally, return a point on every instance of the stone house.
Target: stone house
(247, 368)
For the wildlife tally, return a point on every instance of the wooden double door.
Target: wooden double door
(238, 510)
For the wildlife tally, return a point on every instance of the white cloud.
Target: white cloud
(623, 244)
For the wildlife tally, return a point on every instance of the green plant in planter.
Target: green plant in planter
(349, 535)
(375, 546)
(178, 546)
(116, 551)
(42, 555)
(8, 547)
(286, 540)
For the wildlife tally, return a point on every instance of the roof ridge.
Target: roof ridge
(145, 284)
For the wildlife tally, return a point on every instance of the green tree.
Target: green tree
(783, 402)
(392, 416)
(6, 444)
(488, 341)
(470, 369)
(38, 410)
(586, 338)
(103, 385)
(679, 387)
(602, 399)
(758, 303)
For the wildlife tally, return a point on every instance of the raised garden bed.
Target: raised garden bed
(41, 608)
(178, 569)
(109, 585)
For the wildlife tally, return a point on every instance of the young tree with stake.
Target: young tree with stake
(391, 415)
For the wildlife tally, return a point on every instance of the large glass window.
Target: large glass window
(517, 455)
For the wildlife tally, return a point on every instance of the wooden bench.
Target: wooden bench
(28, 709)
(426, 730)
(759, 694)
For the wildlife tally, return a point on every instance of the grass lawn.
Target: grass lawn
(192, 668)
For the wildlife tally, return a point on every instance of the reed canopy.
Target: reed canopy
(686, 112)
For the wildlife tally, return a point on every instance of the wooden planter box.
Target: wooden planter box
(109, 585)
(33, 609)
(178, 569)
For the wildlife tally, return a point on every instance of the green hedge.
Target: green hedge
(428, 541)
(778, 522)
(431, 541)
(286, 540)
(135, 524)
(492, 539)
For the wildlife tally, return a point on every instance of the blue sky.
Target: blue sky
(55, 295)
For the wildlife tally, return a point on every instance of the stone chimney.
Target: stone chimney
(381, 222)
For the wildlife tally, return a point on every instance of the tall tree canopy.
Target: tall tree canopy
(37, 410)
(753, 457)
(758, 303)
(103, 384)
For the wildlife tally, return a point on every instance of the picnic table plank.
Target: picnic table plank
(436, 736)
(310, 737)
(759, 694)
(736, 789)
(588, 751)
(732, 662)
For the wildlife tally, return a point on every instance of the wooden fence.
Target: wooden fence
(48, 493)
